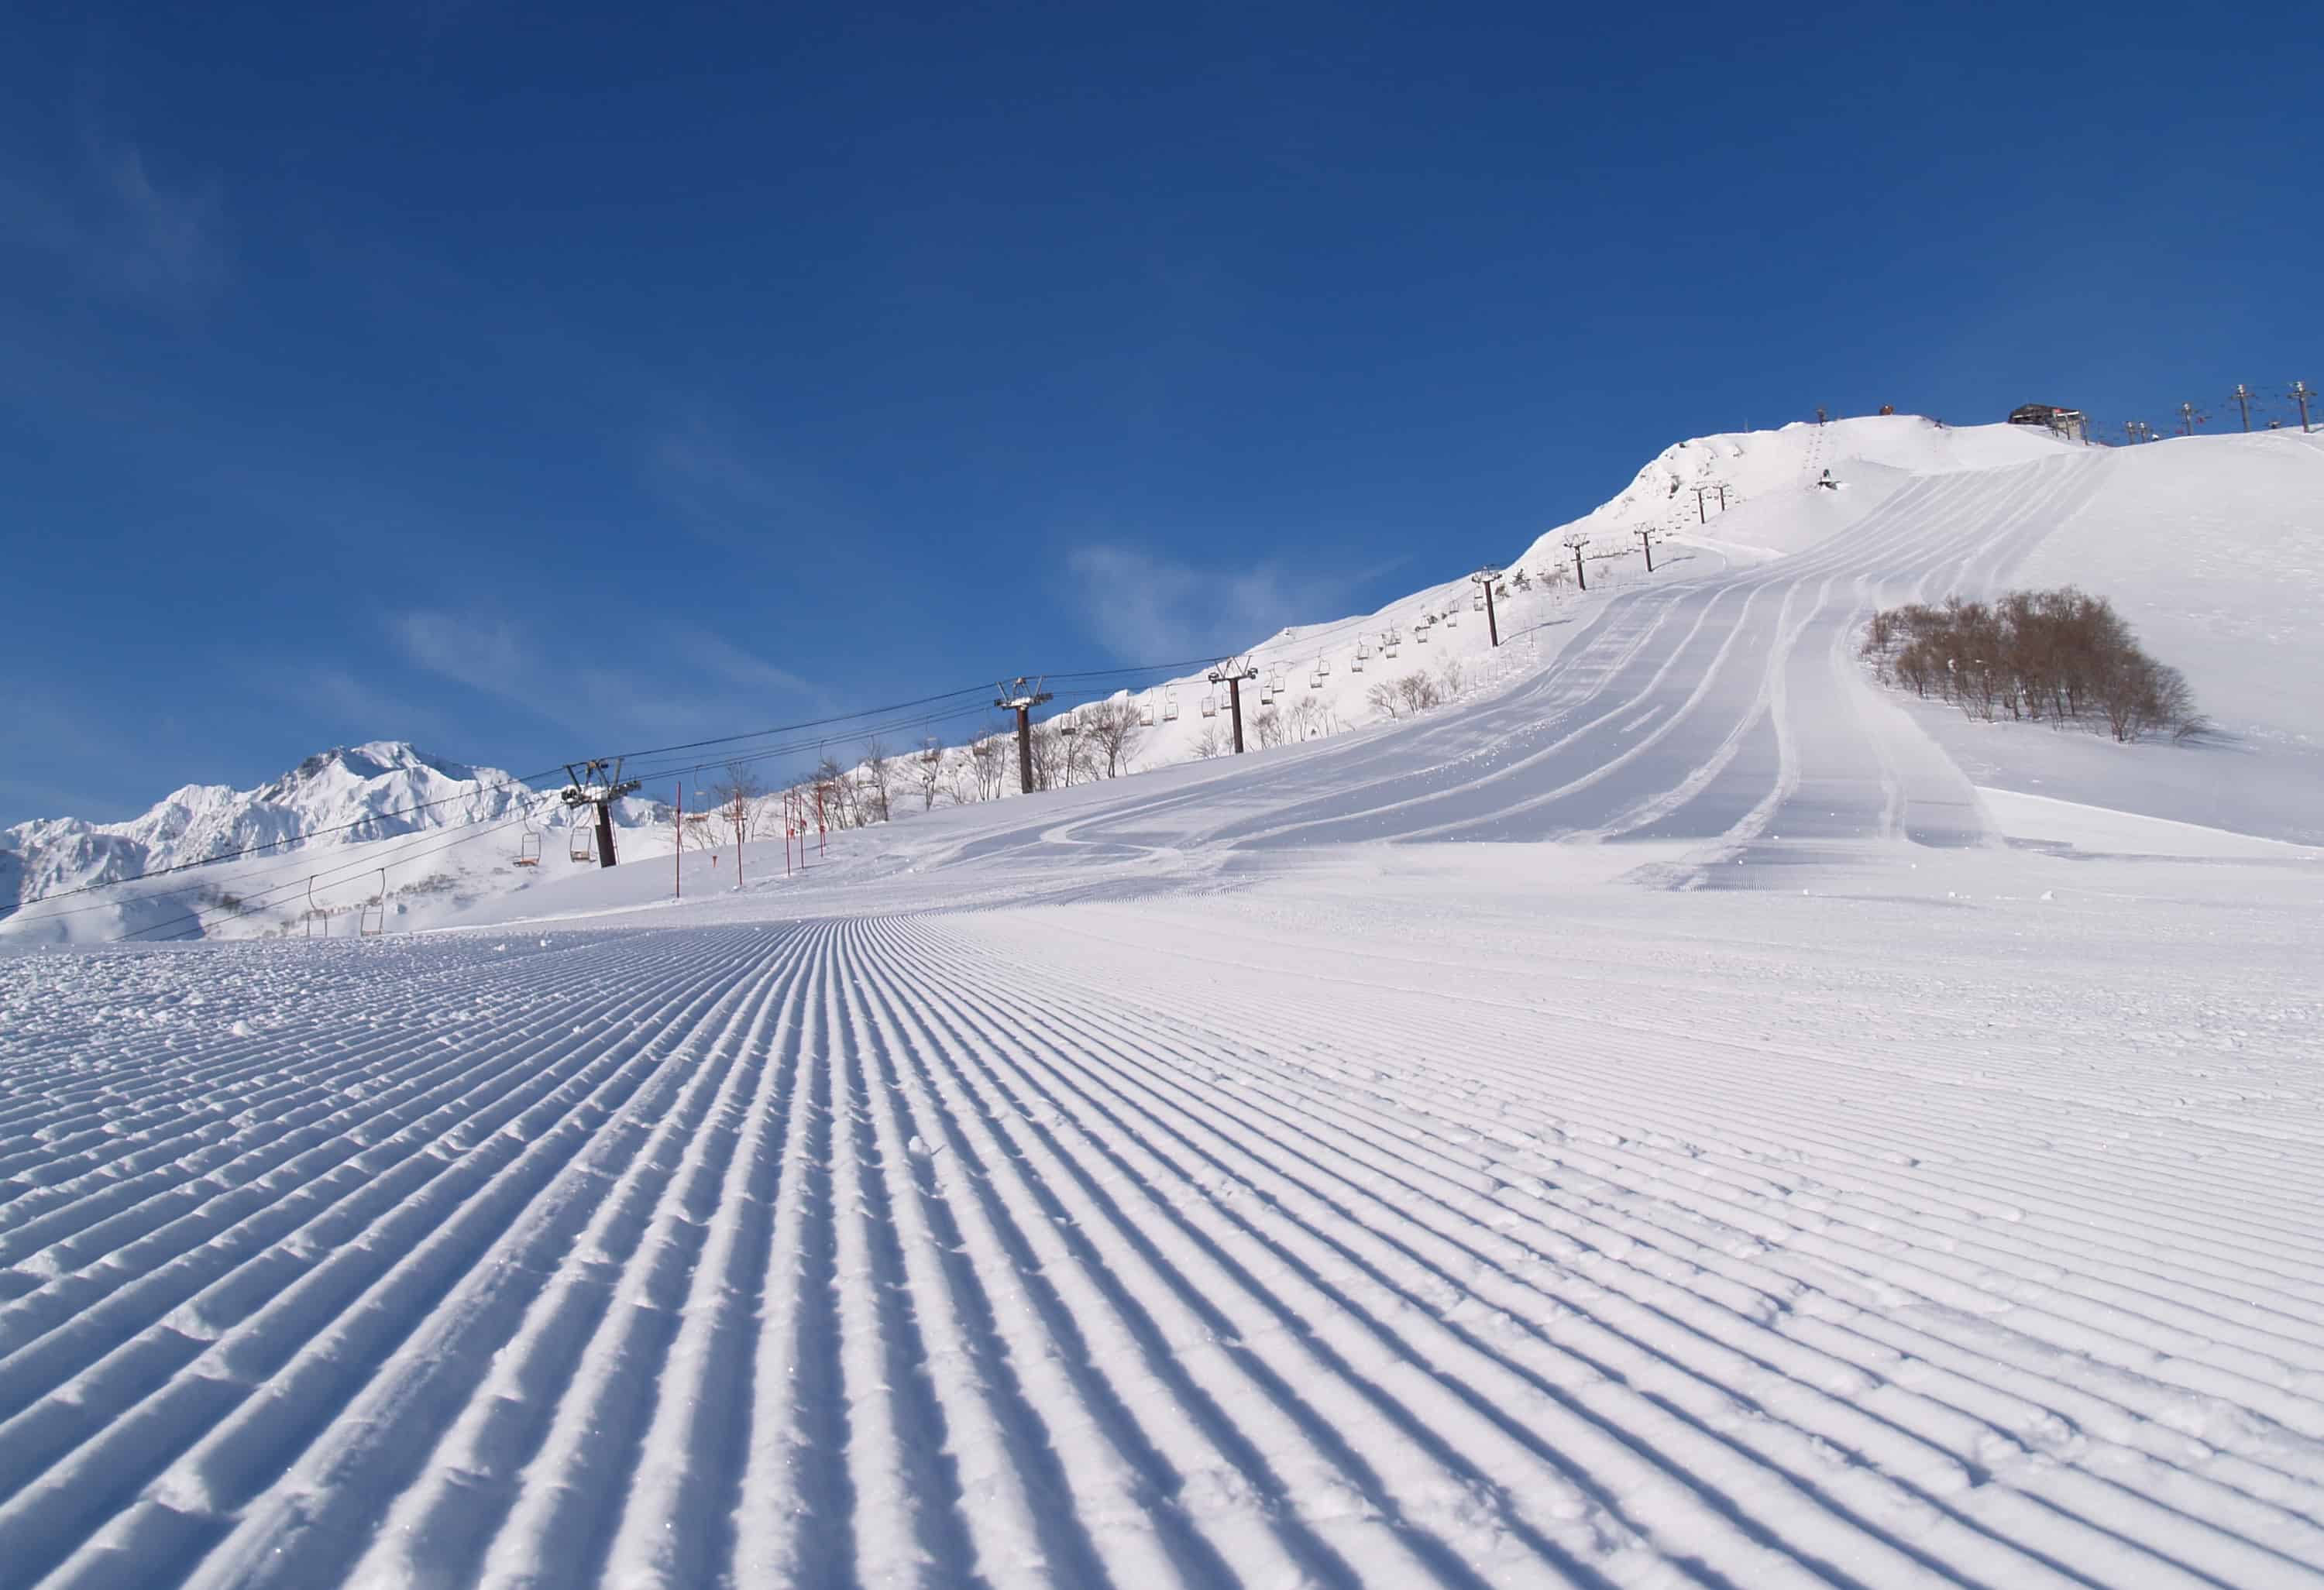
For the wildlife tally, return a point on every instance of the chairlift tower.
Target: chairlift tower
(1232, 672)
(1021, 699)
(599, 783)
(1575, 543)
(2301, 392)
(1484, 578)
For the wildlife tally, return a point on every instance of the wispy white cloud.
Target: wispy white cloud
(163, 238)
(697, 681)
(122, 226)
(354, 709)
(722, 660)
(740, 493)
(472, 648)
(1147, 608)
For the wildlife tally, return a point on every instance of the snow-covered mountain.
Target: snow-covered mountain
(1776, 504)
(2192, 538)
(352, 793)
(343, 802)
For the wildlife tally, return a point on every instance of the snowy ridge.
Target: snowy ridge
(337, 805)
(2256, 566)
(356, 793)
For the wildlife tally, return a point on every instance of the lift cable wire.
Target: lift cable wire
(248, 904)
(290, 866)
(526, 782)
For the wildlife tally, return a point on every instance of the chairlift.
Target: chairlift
(1315, 679)
(1146, 712)
(528, 845)
(1390, 641)
(1210, 704)
(1170, 704)
(1452, 617)
(1477, 601)
(580, 838)
(1420, 633)
(1356, 663)
(372, 922)
(316, 913)
(1280, 686)
(1323, 666)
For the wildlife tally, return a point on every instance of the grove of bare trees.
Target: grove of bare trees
(2061, 656)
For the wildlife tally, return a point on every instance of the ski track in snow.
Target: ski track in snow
(1135, 1245)
(1274, 1234)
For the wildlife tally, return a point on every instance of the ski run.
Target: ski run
(1680, 1115)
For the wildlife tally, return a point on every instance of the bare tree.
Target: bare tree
(2033, 654)
(1112, 728)
(1418, 692)
(1449, 677)
(1386, 699)
(928, 770)
(1076, 754)
(1267, 724)
(878, 775)
(836, 793)
(988, 760)
(737, 795)
(1049, 746)
(1209, 745)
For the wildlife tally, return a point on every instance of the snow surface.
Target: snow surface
(1826, 1167)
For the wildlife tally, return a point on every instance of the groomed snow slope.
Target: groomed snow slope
(1831, 1172)
(1433, 1216)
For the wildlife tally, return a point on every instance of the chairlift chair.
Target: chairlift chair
(316, 913)
(528, 845)
(580, 841)
(1477, 603)
(1315, 680)
(1323, 666)
(372, 922)
(1210, 704)
(1146, 712)
(1452, 617)
(1170, 704)
(1420, 633)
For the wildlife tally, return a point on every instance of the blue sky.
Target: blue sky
(530, 381)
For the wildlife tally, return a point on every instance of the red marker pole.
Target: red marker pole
(678, 847)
